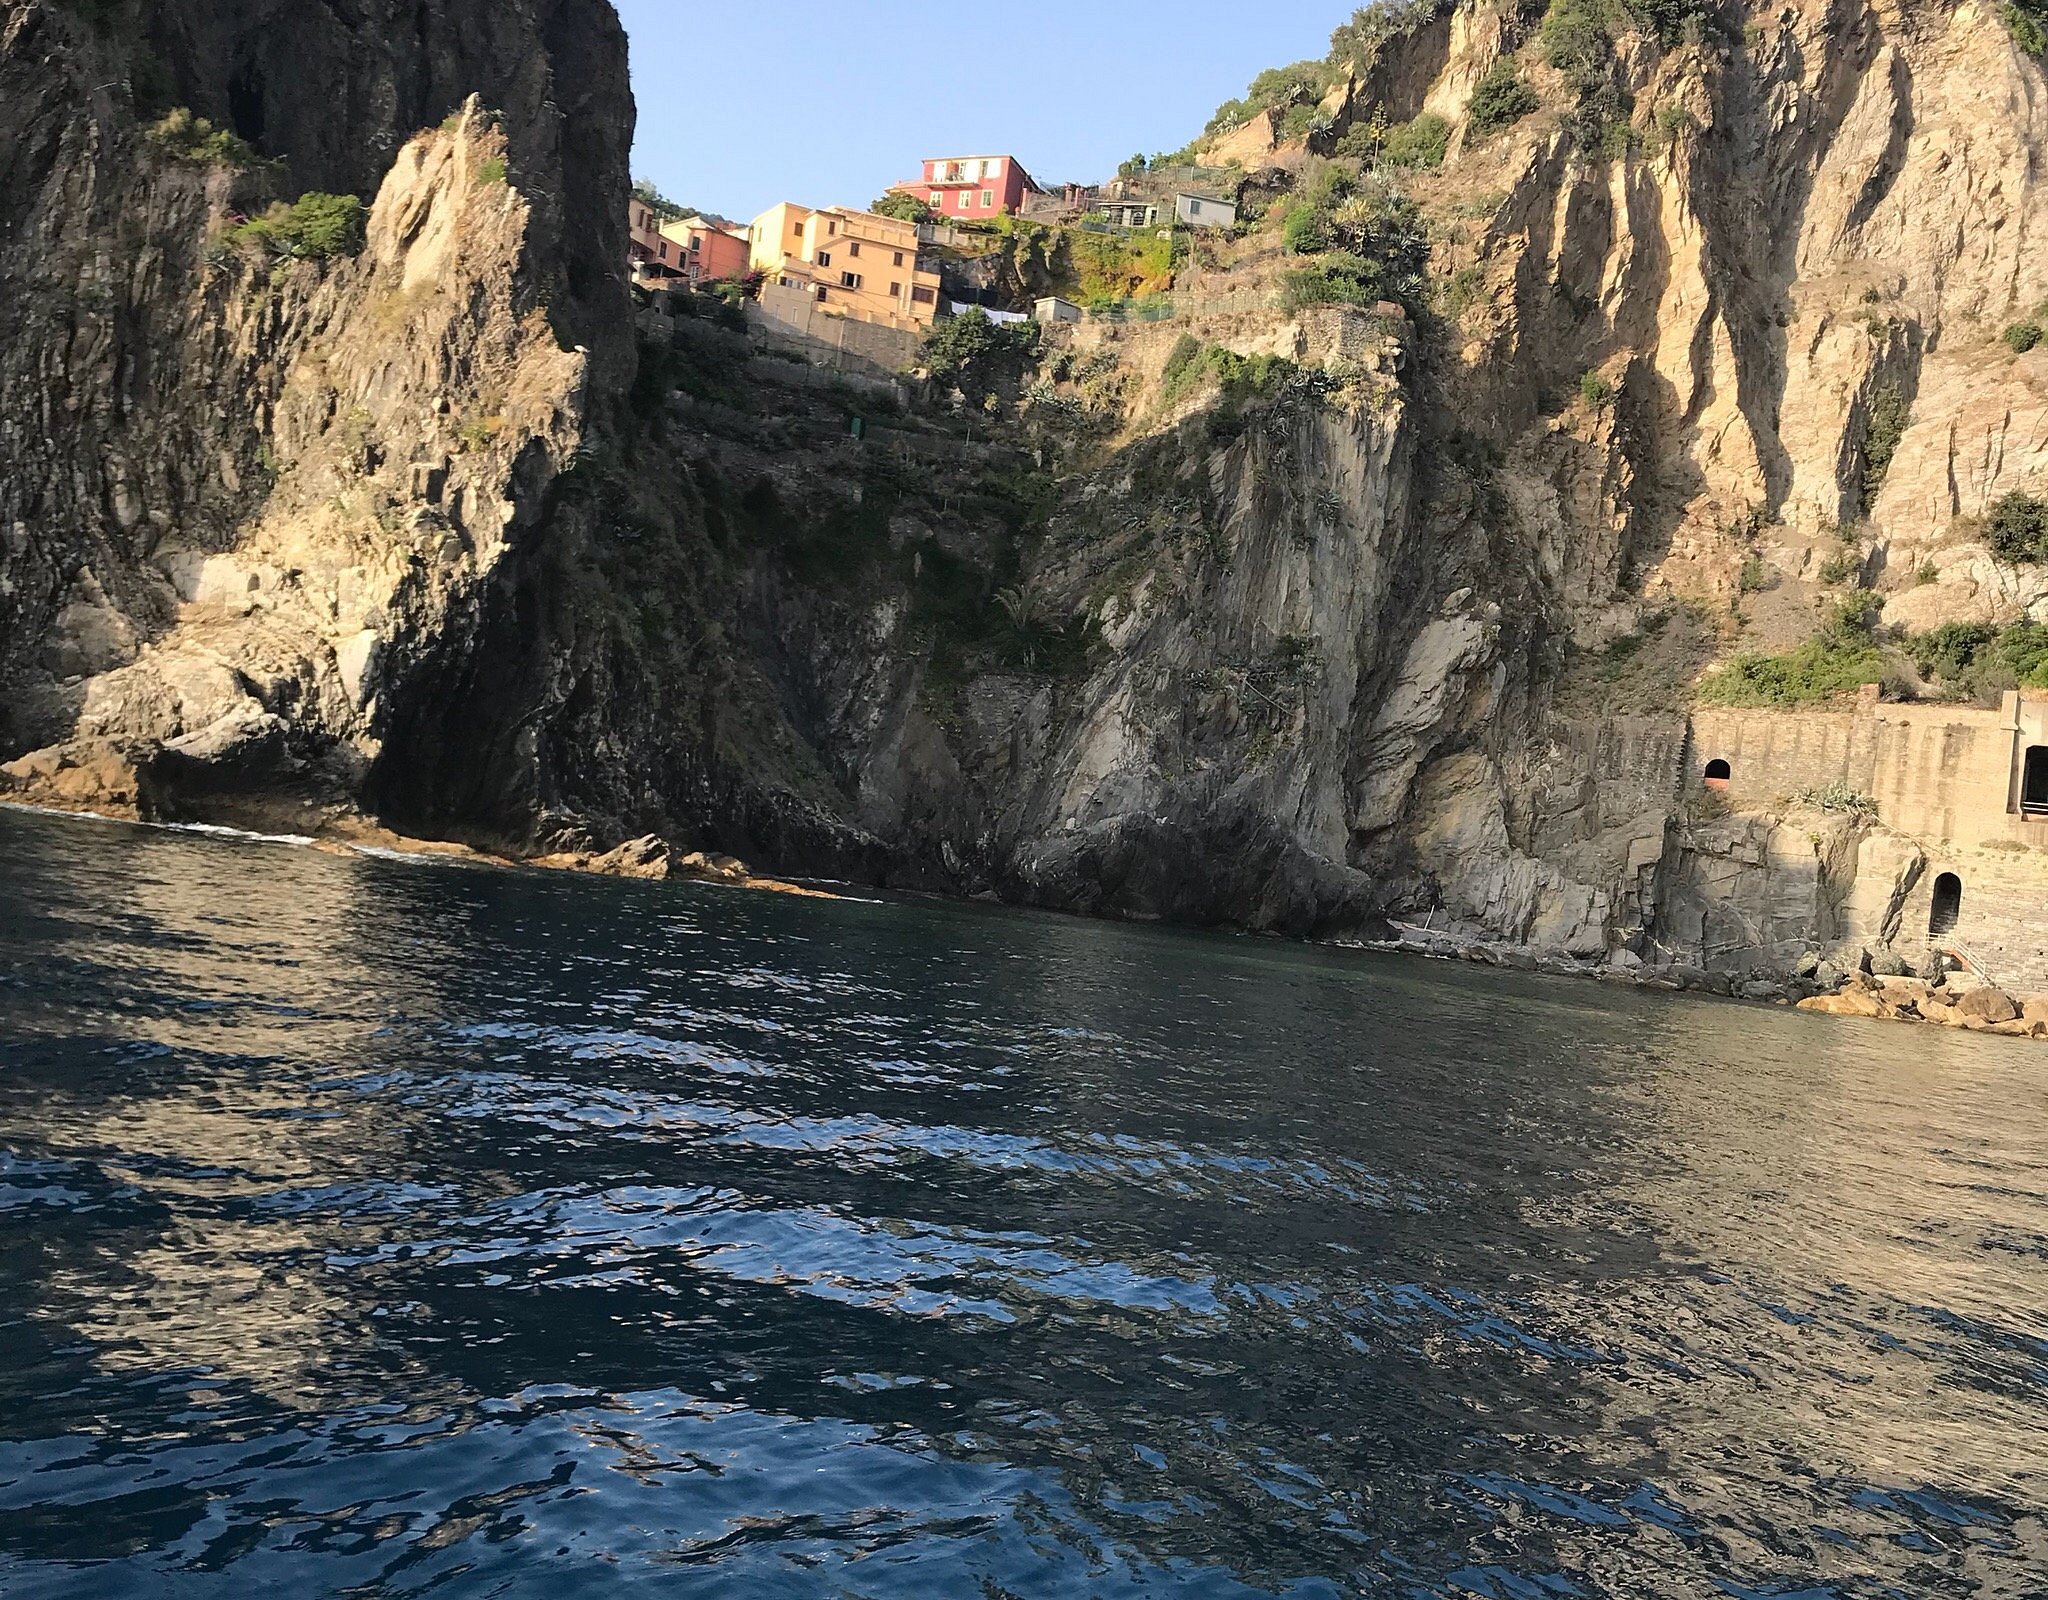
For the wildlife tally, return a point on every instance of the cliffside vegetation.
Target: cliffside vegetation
(315, 227)
(1293, 94)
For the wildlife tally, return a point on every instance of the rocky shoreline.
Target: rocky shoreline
(650, 860)
(1819, 985)
(1847, 983)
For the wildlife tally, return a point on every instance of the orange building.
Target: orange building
(709, 250)
(852, 263)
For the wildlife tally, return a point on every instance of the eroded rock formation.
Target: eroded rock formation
(245, 494)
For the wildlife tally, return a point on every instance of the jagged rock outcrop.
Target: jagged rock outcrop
(245, 492)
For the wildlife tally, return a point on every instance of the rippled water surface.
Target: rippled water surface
(373, 1228)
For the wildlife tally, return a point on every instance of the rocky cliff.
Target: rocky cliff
(1280, 614)
(250, 488)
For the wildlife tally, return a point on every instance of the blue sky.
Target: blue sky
(750, 102)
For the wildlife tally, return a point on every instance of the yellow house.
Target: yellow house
(851, 263)
(777, 235)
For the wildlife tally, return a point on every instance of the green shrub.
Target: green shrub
(1244, 379)
(1812, 672)
(1500, 100)
(2022, 651)
(492, 172)
(1671, 123)
(1339, 278)
(904, 208)
(190, 138)
(1420, 143)
(2022, 337)
(1183, 367)
(2027, 21)
(1578, 39)
(1306, 232)
(975, 354)
(1674, 22)
(1840, 568)
(1976, 659)
(1299, 122)
(1363, 141)
(1595, 390)
(2017, 529)
(1889, 412)
(1950, 651)
(318, 227)
(1753, 576)
(1840, 659)
(1850, 621)
(1112, 267)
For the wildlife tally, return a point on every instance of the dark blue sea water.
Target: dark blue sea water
(372, 1228)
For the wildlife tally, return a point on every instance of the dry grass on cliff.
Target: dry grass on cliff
(1641, 673)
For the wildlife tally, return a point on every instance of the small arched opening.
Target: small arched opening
(1948, 905)
(1718, 774)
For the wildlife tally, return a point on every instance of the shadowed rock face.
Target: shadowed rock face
(335, 91)
(241, 495)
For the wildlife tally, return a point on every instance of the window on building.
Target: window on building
(938, 200)
(899, 258)
(1194, 208)
(824, 258)
(895, 291)
(924, 297)
(1948, 905)
(853, 247)
(850, 280)
(821, 292)
(988, 198)
(2034, 782)
(1718, 774)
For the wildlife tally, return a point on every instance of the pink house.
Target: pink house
(654, 260)
(710, 250)
(962, 188)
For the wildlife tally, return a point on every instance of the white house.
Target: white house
(1204, 211)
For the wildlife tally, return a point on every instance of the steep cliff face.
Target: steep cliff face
(245, 491)
(1420, 643)
(1289, 618)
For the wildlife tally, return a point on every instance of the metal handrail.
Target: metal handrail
(1957, 950)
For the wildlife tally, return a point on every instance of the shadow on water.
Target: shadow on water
(379, 1228)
